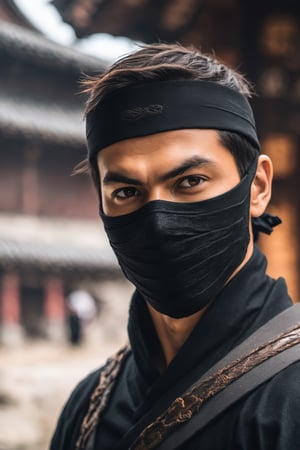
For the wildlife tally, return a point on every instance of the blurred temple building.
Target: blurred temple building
(51, 240)
(260, 38)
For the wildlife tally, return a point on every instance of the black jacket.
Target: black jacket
(266, 419)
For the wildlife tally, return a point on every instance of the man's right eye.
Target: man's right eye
(126, 193)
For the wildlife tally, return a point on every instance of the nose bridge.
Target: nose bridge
(158, 192)
(155, 193)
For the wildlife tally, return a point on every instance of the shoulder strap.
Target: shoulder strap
(100, 398)
(265, 353)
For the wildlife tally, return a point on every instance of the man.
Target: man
(175, 159)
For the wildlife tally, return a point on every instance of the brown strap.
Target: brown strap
(265, 346)
(184, 407)
(229, 396)
(99, 398)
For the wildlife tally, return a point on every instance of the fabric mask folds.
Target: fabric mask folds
(179, 256)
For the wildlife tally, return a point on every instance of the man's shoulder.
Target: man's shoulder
(76, 407)
(265, 419)
(275, 401)
(285, 386)
(68, 426)
(84, 388)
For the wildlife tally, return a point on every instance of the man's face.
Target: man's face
(179, 166)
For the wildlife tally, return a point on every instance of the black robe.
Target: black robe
(266, 419)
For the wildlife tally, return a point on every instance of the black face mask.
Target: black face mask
(179, 256)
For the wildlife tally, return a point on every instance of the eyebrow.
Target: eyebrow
(118, 177)
(194, 161)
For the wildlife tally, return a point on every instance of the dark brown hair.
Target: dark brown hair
(163, 62)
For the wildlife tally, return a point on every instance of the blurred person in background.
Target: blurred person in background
(183, 189)
(81, 310)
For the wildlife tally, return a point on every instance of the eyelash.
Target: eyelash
(199, 178)
(180, 181)
(117, 191)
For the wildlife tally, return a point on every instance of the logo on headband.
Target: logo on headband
(140, 112)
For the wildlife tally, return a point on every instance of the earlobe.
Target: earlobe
(261, 187)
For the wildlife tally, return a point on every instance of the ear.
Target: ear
(261, 187)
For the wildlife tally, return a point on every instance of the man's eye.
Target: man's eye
(126, 192)
(191, 181)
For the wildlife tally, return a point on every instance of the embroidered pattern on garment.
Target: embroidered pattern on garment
(100, 396)
(184, 407)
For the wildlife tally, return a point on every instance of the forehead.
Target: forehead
(167, 148)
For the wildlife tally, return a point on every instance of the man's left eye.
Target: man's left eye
(126, 192)
(191, 181)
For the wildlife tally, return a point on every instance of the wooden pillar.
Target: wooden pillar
(11, 330)
(54, 308)
(30, 185)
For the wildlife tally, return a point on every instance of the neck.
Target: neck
(172, 333)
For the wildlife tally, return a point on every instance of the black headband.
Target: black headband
(153, 107)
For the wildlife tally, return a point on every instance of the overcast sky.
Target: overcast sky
(45, 17)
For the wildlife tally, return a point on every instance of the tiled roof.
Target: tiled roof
(37, 113)
(29, 118)
(56, 258)
(29, 44)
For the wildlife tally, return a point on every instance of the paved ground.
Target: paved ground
(35, 380)
(37, 377)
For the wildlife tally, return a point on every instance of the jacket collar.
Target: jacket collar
(249, 300)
